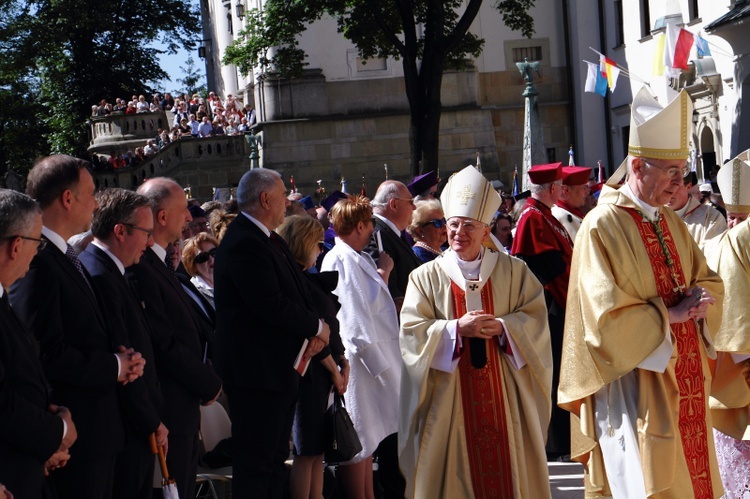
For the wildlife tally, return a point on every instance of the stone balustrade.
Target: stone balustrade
(125, 132)
(198, 163)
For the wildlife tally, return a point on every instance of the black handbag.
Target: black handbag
(341, 440)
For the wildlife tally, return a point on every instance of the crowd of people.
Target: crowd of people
(606, 338)
(190, 116)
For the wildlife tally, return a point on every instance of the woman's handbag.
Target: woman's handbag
(341, 440)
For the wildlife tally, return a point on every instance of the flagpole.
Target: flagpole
(623, 69)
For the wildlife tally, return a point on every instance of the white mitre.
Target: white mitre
(468, 194)
(656, 131)
(734, 183)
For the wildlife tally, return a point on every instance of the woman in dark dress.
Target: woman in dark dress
(304, 236)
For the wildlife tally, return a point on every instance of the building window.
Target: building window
(366, 68)
(693, 10)
(645, 19)
(229, 24)
(619, 29)
(533, 53)
(535, 50)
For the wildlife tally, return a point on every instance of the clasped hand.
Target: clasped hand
(131, 365)
(478, 324)
(693, 306)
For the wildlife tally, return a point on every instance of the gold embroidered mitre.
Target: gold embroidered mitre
(734, 183)
(468, 194)
(660, 132)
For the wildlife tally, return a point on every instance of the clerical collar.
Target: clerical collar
(259, 224)
(2, 290)
(682, 211)
(651, 212)
(160, 252)
(117, 261)
(470, 270)
(55, 239)
(389, 224)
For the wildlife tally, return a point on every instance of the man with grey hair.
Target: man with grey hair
(59, 303)
(265, 314)
(544, 244)
(175, 316)
(122, 227)
(34, 435)
(392, 207)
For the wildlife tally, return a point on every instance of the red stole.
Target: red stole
(485, 421)
(688, 367)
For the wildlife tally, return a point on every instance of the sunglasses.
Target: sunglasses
(438, 223)
(203, 257)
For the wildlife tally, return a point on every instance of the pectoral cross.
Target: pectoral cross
(473, 287)
(679, 288)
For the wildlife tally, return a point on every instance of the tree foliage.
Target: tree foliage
(71, 54)
(427, 36)
(192, 80)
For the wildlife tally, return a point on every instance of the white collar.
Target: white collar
(470, 270)
(389, 224)
(259, 224)
(651, 212)
(160, 252)
(55, 239)
(117, 261)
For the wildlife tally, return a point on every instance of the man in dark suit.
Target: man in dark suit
(392, 208)
(57, 300)
(122, 227)
(33, 439)
(264, 313)
(179, 344)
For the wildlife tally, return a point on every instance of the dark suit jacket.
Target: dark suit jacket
(404, 259)
(178, 344)
(141, 399)
(77, 353)
(263, 308)
(29, 433)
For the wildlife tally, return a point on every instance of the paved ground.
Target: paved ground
(566, 480)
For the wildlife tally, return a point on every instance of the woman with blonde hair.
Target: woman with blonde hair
(198, 258)
(329, 368)
(428, 229)
(369, 331)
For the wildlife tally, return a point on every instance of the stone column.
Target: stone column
(534, 152)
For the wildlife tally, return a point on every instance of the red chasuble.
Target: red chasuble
(485, 421)
(688, 367)
(538, 231)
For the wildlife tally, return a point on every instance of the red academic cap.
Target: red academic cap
(576, 175)
(544, 174)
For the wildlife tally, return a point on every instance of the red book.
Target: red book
(300, 363)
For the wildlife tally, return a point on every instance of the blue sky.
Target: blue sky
(172, 65)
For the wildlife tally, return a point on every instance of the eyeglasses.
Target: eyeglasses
(674, 171)
(40, 243)
(438, 223)
(203, 257)
(136, 227)
(411, 200)
(468, 227)
(198, 225)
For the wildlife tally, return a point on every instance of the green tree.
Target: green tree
(428, 36)
(193, 81)
(74, 53)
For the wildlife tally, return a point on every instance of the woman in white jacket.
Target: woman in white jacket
(369, 331)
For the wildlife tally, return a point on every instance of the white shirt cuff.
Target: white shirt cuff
(65, 428)
(443, 359)
(658, 360)
(516, 360)
(119, 366)
(320, 327)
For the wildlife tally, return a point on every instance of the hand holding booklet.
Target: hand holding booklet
(300, 363)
